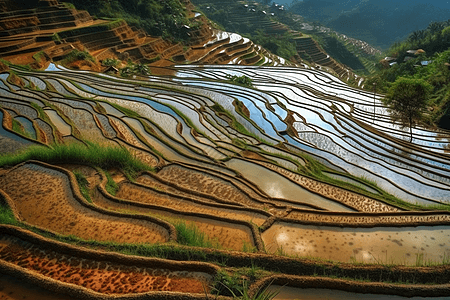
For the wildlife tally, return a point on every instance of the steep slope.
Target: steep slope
(259, 22)
(54, 31)
(379, 22)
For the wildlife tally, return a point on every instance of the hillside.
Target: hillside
(378, 22)
(54, 31)
(283, 33)
(423, 55)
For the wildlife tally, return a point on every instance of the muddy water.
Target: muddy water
(277, 186)
(9, 135)
(62, 126)
(406, 245)
(290, 293)
(28, 126)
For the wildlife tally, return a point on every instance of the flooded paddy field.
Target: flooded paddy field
(291, 170)
(387, 245)
(290, 293)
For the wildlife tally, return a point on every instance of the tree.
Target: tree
(434, 27)
(242, 80)
(407, 99)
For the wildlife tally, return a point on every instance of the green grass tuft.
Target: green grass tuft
(7, 216)
(190, 235)
(83, 183)
(227, 285)
(92, 155)
(17, 127)
(111, 186)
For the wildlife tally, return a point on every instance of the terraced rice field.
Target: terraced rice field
(297, 168)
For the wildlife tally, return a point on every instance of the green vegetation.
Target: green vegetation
(239, 143)
(237, 285)
(234, 17)
(190, 235)
(68, 5)
(429, 62)
(262, 294)
(40, 56)
(407, 99)
(135, 69)
(111, 186)
(244, 269)
(346, 53)
(83, 183)
(379, 23)
(6, 214)
(111, 62)
(241, 80)
(42, 115)
(75, 55)
(158, 18)
(20, 67)
(228, 285)
(281, 45)
(17, 127)
(93, 155)
(315, 170)
(236, 125)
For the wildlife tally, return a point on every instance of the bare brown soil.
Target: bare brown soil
(253, 155)
(48, 202)
(100, 276)
(222, 232)
(204, 183)
(140, 194)
(15, 289)
(3, 67)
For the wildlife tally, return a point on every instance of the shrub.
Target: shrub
(242, 80)
(75, 55)
(111, 62)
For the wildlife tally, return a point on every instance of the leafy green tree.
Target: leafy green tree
(407, 99)
(142, 69)
(242, 80)
(135, 69)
